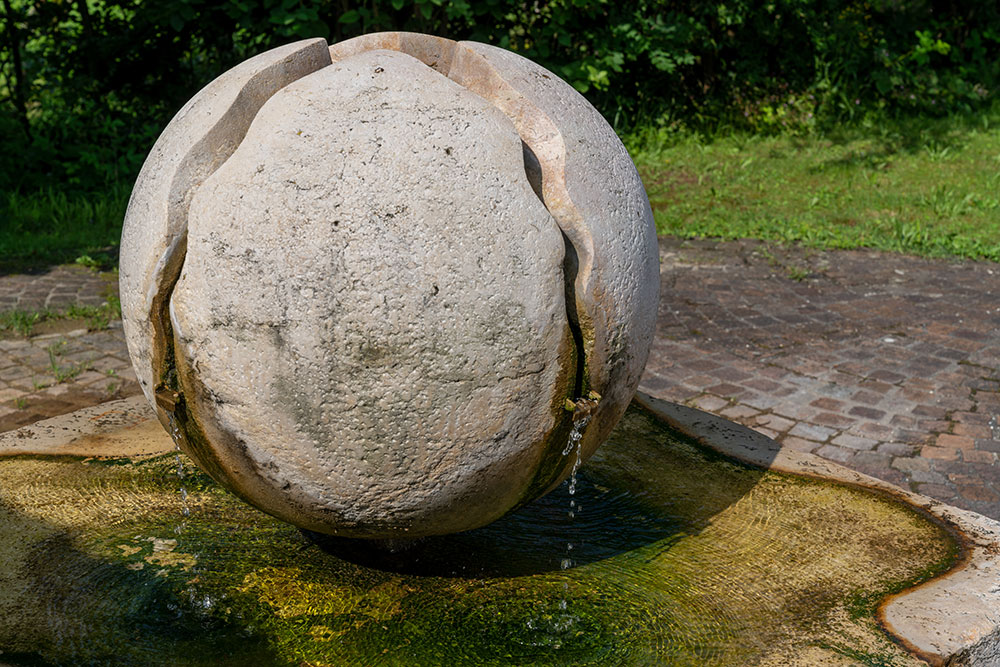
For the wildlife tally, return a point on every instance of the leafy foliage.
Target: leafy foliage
(85, 85)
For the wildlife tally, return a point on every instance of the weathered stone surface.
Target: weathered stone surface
(389, 283)
(202, 135)
(591, 185)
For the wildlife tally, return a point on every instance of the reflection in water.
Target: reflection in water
(679, 557)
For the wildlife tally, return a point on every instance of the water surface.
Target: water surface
(680, 557)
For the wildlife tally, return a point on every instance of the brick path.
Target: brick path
(58, 287)
(84, 368)
(885, 363)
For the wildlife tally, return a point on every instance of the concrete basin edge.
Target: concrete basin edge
(953, 619)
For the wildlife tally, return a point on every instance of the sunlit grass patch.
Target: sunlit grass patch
(924, 186)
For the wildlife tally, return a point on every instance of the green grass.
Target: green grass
(59, 372)
(52, 227)
(923, 186)
(22, 322)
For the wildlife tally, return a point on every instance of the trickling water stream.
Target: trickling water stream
(550, 627)
(175, 435)
(573, 445)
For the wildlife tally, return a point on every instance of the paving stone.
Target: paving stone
(760, 402)
(799, 444)
(896, 449)
(834, 453)
(854, 442)
(10, 394)
(988, 445)
(14, 373)
(700, 364)
(944, 492)
(964, 479)
(955, 441)
(925, 476)
(867, 413)
(972, 430)
(710, 403)
(934, 425)
(726, 389)
(887, 376)
(738, 412)
(933, 411)
(871, 460)
(826, 403)
(866, 397)
(980, 493)
(833, 420)
(908, 465)
(811, 431)
(943, 453)
(730, 374)
(972, 418)
(775, 423)
(654, 384)
(794, 411)
(878, 432)
(905, 421)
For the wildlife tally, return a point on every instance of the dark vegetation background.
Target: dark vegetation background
(87, 85)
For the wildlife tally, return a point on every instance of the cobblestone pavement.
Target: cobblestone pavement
(59, 372)
(887, 364)
(59, 287)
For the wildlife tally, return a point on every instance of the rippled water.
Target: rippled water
(679, 557)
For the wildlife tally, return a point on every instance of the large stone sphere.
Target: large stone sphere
(373, 288)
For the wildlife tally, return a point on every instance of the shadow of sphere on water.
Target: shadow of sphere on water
(645, 485)
(531, 540)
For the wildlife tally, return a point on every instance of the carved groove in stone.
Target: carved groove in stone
(199, 139)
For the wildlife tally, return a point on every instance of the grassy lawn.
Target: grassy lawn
(928, 187)
(44, 228)
(923, 186)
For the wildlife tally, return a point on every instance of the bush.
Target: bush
(86, 85)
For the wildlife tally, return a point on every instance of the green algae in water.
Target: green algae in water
(681, 557)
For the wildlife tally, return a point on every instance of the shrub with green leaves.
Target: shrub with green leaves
(86, 86)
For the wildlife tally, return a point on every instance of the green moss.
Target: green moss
(863, 658)
(864, 603)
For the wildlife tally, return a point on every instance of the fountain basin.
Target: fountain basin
(683, 554)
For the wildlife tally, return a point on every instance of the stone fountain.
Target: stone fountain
(373, 287)
(401, 288)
